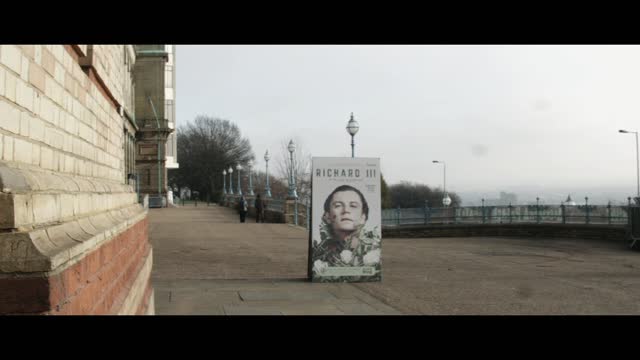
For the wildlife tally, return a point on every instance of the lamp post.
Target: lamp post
(637, 159)
(292, 185)
(352, 129)
(250, 165)
(224, 181)
(586, 208)
(230, 171)
(238, 167)
(446, 200)
(267, 190)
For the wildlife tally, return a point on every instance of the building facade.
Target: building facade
(170, 107)
(155, 114)
(77, 123)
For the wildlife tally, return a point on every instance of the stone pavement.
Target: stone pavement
(206, 262)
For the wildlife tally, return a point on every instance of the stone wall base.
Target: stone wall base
(112, 279)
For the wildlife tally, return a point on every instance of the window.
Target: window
(168, 76)
(168, 110)
(129, 146)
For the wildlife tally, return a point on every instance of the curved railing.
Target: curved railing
(294, 212)
(517, 214)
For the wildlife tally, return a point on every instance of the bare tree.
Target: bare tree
(205, 148)
(277, 186)
(301, 167)
(412, 195)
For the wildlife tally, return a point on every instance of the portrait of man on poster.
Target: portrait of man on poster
(344, 241)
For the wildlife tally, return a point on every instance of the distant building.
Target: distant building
(155, 115)
(569, 202)
(507, 198)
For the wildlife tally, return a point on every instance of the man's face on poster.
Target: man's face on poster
(345, 211)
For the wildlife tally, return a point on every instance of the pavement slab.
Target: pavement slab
(207, 263)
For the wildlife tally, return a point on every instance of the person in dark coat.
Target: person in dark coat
(243, 208)
(259, 205)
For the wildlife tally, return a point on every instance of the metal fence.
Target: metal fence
(512, 214)
(193, 202)
(274, 205)
(521, 214)
(298, 211)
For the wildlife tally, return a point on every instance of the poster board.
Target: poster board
(345, 242)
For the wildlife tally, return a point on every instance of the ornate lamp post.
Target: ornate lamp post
(230, 171)
(267, 190)
(352, 129)
(446, 200)
(238, 167)
(292, 185)
(224, 181)
(250, 164)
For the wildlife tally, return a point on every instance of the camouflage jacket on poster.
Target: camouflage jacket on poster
(360, 249)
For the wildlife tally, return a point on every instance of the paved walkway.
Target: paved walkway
(206, 262)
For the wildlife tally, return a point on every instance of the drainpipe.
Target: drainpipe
(159, 148)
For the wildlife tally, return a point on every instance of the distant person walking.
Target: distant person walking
(243, 208)
(259, 205)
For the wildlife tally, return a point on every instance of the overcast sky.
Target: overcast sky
(499, 116)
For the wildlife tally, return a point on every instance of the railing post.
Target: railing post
(398, 215)
(510, 216)
(586, 205)
(295, 212)
(537, 210)
(425, 212)
(564, 214)
(609, 212)
(484, 220)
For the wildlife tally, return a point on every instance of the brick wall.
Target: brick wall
(52, 116)
(73, 239)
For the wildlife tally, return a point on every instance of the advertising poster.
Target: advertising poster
(346, 231)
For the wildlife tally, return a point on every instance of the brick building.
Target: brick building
(73, 126)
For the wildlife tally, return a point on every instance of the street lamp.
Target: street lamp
(230, 171)
(224, 181)
(250, 165)
(267, 190)
(292, 185)
(239, 187)
(637, 158)
(446, 200)
(352, 129)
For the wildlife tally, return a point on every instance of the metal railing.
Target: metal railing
(520, 214)
(193, 202)
(274, 205)
(298, 211)
(511, 214)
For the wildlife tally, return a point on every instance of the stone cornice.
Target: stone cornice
(31, 198)
(54, 248)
